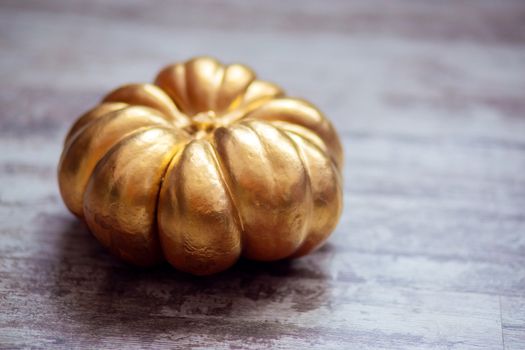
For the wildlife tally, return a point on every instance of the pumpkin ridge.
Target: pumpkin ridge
(183, 200)
(167, 81)
(227, 181)
(200, 87)
(92, 115)
(113, 115)
(180, 148)
(123, 138)
(116, 225)
(222, 71)
(307, 116)
(307, 225)
(265, 146)
(306, 139)
(240, 94)
(183, 93)
(76, 197)
(307, 245)
(147, 95)
(103, 116)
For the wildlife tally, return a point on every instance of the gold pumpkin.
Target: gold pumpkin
(205, 165)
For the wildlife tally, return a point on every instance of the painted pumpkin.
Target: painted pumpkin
(206, 165)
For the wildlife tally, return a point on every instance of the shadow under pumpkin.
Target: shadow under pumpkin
(108, 296)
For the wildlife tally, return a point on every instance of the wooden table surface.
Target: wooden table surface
(429, 98)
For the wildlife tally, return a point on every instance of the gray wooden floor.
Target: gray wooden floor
(429, 98)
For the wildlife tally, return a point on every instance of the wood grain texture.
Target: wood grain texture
(429, 98)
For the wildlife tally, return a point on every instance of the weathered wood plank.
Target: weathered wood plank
(513, 321)
(430, 250)
(293, 300)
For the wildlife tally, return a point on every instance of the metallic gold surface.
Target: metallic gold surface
(207, 164)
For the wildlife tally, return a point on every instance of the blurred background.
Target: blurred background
(429, 100)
